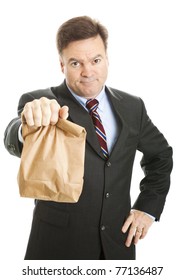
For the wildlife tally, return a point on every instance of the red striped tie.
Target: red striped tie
(92, 105)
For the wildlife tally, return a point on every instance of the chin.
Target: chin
(90, 93)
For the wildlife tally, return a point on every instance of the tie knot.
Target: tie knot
(92, 105)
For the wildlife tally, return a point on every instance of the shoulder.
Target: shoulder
(130, 107)
(122, 94)
(129, 100)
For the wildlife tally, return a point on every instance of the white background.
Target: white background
(147, 58)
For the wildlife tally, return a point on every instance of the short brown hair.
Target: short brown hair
(79, 28)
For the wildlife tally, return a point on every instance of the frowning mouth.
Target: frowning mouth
(87, 81)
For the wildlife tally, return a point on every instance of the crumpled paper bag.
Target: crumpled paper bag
(52, 162)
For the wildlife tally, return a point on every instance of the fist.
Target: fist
(44, 111)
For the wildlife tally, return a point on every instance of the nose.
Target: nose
(87, 70)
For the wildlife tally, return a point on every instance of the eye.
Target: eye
(97, 60)
(75, 64)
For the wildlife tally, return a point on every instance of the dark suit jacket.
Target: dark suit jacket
(81, 230)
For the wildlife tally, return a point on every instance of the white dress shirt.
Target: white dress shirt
(106, 114)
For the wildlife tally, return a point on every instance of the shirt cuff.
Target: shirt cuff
(20, 134)
(152, 217)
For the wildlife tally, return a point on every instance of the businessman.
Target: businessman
(102, 224)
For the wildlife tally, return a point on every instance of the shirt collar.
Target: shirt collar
(82, 100)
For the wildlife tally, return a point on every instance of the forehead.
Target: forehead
(84, 49)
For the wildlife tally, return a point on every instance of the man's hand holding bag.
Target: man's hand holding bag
(52, 161)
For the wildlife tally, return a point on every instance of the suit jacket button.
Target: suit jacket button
(108, 164)
(107, 195)
(102, 227)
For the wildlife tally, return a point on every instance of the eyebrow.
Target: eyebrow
(79, 60)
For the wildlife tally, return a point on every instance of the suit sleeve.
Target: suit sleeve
(156, 164)
(11, 141)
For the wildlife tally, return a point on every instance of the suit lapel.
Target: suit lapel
(118, 107)
(78, 115)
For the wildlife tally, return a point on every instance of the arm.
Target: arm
(157, 165)
(11, 141)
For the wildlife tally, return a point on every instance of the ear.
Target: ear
(61, 64)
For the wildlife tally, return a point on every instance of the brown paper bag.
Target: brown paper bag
(52, 162)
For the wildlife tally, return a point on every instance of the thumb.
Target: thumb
(64, 112)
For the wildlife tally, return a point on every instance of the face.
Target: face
(85, 66)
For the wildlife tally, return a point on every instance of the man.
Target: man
(101, 225)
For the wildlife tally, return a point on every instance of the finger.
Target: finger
(28, 114)
(54, 108)
(46, 111)
(128, 222)
(37, 113)
(64, 112)
(130, 236)
(144, 233)
(138, 235)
